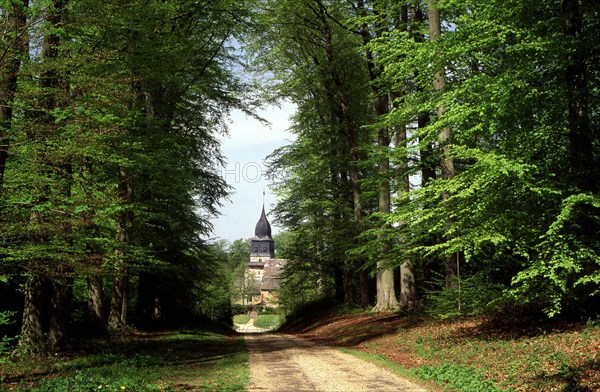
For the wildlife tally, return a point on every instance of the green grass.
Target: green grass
(193, 360)
(461, 378)
(475, 353)
(560, 360)
(382, 361)
(268, 321)
(241, 318)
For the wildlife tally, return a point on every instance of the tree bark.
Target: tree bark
(62, 285)
(60, 306)
(446, 160)
(365, 297)
(50, 83)
(16, 41)
(408, 291)
(119, 299)
(31, 341)
(94, 302)
(342, 111)
(386, 293)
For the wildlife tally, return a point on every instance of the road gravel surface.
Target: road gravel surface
(281, 362)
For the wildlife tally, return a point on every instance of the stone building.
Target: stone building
(263, 268)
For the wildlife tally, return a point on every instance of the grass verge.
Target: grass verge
(268, 321)
(386, 363)
(175, 361)
(472, 354)
(241, 319)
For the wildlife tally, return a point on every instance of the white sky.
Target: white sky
(245, 148)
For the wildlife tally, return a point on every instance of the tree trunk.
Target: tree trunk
(386, 293)
(446, 161)
(62, 292)
(347, 284)
(408, 290)
(346, 120)
(14, 19)
(119, 300)
(31, 340)
(95, 305)
(583, 169)
(60, 306)
(365, 297)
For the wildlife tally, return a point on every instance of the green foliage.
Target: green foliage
(461, 378)
(213, 295)
(243, 286)
(473, 296)
(112, 379)
(114, 159)
(567, 267)
(318, 65)
(512, 199)
(240, 309)
(5, 317)
(7, 342)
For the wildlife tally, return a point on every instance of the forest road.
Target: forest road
(287, 363)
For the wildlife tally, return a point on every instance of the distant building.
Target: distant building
(263, 268)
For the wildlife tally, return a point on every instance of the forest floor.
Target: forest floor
(474, 354)
(471, 354)
(188, 360)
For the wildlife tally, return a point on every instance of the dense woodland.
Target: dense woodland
(446, 156)
(109, 160)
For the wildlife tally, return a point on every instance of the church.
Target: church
(263, 268)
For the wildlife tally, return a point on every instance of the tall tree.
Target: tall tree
(116, 164)
(446, 160)
(13, 50)
(386, 293)
(315, 54)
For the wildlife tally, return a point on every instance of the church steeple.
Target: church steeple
(263, 227)
(263, 246)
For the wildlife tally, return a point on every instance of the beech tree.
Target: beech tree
(322, 71)
(475, 94)
(502, 99)
(13, 21)
(114, 170)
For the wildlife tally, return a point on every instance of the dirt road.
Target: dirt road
(288, 363)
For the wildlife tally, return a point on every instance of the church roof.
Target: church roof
(263, 227)
(271, 274)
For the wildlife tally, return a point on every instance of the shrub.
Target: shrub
(240, 309)
(7, 342)
(474, 296)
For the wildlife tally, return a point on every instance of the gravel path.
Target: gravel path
(288, 363)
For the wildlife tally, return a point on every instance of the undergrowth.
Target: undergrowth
(460, 378)
(195, 360)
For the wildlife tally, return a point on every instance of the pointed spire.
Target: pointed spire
(263, 227)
